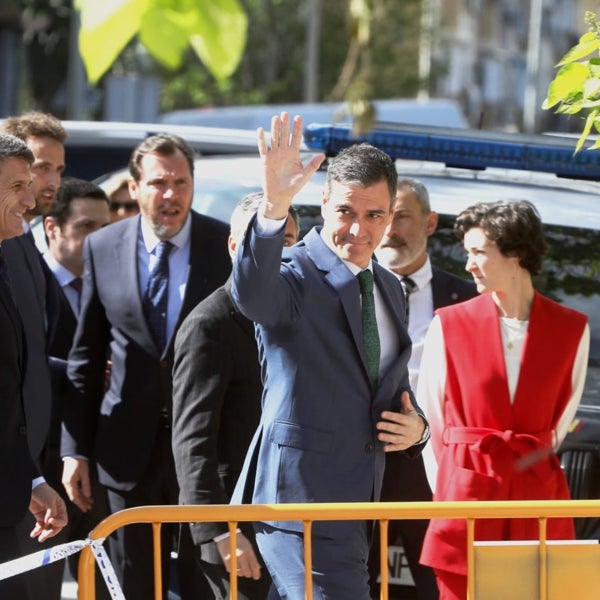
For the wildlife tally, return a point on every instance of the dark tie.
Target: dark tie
(408, 287)
(369, 323)
(157, 295)
(77, 284)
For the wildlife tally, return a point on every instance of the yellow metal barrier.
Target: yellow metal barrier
(586, 565)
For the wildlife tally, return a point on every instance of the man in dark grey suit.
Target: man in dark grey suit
(20, 482)
(403, 250)
(216, 408)
(142, 276)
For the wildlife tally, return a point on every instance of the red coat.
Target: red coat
(493, 449)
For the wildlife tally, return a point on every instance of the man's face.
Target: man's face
(354, 219)
(46, 171)
(66, 242)
(403, 248)
(164, 192)
(15, 196)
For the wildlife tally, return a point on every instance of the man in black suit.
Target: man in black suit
(216, 408)
(403, 250)
(80, 208)
(142, 276)
(20, 482)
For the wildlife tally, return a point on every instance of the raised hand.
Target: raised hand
(284, 174)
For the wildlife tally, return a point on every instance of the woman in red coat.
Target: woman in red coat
(501, 379)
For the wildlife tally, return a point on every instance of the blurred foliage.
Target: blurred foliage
(576, 87)
(46, 39)
(272, 68)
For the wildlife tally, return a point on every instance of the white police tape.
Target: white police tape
(60, 552)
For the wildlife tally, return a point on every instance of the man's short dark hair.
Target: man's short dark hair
(363, 165)
(14, 147)
(161, 143)
(70, 189)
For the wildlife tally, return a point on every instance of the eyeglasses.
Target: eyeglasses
(130, 206)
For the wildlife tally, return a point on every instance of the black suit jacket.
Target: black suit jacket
(216, 404)
(118, 428)
(29, 284)
(405, 478)
(16, 467)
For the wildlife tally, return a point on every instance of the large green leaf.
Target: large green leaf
(588, 43)
(216, 29)
(220, 37)
(568, 81)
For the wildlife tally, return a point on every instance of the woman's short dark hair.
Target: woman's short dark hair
(515, 226)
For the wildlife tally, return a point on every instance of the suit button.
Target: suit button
(22, 430)
(164, 364)
(369, 448)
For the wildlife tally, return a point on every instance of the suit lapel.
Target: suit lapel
(9, 306)
(342, 281)
(125, 255)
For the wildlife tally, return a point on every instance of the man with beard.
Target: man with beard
(45, 136)
(142, 276)
(403, 250)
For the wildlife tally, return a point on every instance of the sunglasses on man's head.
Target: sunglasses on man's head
(129, 206)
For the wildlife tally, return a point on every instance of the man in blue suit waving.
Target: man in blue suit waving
(336, 389)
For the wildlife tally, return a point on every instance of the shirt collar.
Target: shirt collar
(150, 240)
(62, 274)
(422, 276)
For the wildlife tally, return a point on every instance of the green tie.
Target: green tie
(369, 323)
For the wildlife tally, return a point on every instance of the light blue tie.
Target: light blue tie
(369, 323)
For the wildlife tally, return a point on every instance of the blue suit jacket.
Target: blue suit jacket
(317, 440)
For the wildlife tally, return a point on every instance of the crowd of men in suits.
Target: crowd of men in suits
(131, 373)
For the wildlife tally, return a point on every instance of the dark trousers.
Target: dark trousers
(17, 586)
(131, 547)
(405, 481)
(46, 582)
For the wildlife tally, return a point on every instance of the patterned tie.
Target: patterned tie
(369, 323)
(408, 287)
(157, 295)
(77, 284)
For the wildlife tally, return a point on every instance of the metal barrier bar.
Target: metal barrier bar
(308, 513)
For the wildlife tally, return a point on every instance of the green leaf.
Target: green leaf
(591, 87)
(568, 81)
(220, 36)
(586, 130)
(588, 43)
(216, 29)
(106, 28)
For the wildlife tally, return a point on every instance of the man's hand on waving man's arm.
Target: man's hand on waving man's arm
(284, 174)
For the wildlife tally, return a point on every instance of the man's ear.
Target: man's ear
(50, 226)
(432, 222)
(132, 185)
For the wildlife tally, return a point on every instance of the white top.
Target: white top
(432, 380)
(420, 302)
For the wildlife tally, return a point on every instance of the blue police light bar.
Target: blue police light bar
(464, 148)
